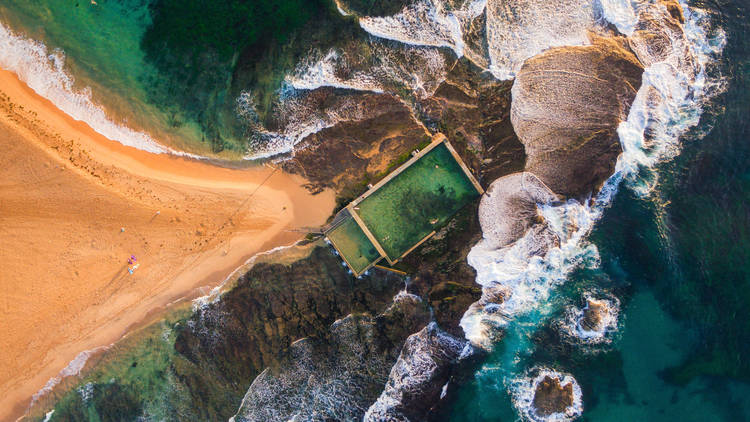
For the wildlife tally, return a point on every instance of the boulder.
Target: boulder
(593, 314)
(551, 397)
(509, 207)
(658, 37)
(567, 103)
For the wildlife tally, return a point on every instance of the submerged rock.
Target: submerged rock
(567, 104)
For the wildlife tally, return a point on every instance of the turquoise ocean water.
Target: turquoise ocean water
(173, 69)
(679, 262)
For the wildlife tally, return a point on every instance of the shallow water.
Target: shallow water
(172, 71)
(679, 261)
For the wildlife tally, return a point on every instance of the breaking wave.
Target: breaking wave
(385, 68)
(426, 23)
(669, 102)
(496, 35)
(44, 72)
(299, 114)
(74, 367)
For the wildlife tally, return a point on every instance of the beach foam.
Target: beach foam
(44, 72)
(669, 102)
(73, 368)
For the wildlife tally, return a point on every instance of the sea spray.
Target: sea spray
(674, 106)
(44, 72)
(514, 32)
(525, 28)
(387, 67)
(423, 23)
(669, 103)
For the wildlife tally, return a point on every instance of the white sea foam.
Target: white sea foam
(421, 70)
(524, 28)
(669, 102)
(300, 114)
(424, 23)
(514, 30)
(44, 72)
(573, 326)
(418, 368)
(620, 13)
(323, 73)
(523, 389)
(74, 367)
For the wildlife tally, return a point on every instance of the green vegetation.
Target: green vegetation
(417, 201)
(354, 245)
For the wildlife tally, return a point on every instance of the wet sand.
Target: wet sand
(65, 194)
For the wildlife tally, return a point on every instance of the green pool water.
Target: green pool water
(354, 245)
(417, 201)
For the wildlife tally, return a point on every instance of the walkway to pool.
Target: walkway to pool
(404, 209)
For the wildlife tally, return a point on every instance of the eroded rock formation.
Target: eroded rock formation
(551, 397)
(567, 104)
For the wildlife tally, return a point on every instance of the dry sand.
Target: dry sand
(65, 194)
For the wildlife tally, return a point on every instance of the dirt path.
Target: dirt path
(66, 193)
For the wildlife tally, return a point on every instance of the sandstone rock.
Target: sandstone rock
(338, 375)
(416, 380)
(473, 111)
(550, 397)
(658, 36)
(567, 104)
(509, 207)
(593, 314)
(341, 156)
(226, 344)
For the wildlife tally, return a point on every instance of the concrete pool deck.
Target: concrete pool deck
(352, 209)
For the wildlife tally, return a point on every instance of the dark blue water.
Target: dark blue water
(679, 261)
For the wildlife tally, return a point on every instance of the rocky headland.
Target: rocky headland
(311, 341)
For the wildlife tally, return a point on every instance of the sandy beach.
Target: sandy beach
(75, 205)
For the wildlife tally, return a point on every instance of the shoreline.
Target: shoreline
(65, 192)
